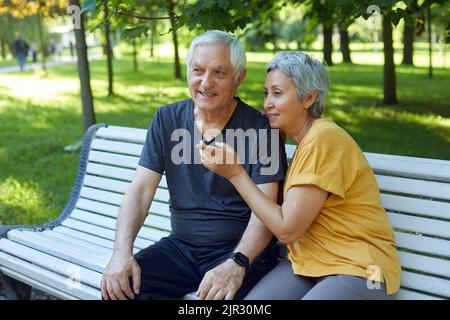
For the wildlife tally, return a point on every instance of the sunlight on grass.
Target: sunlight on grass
(21, 202)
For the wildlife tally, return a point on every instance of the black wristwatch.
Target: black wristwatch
(241, 259)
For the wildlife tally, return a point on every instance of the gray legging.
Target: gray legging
(282, 284)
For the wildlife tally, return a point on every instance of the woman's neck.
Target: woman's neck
(302, 129)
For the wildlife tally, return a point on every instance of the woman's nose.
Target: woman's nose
(267, 103)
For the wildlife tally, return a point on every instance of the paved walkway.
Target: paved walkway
(51, 63)
(35, 66)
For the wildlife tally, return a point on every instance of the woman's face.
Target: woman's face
(284, 109)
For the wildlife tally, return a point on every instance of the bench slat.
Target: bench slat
(416, 206)
(37, 285)
(105, 183)
(78, 235)
(127, 134)
(426, 264)
(89, 247)
(110, 172)
(423, 244)
(98, 220)
(114, 185)
(160, 209)
(108, 159)
(435, 190)
(424, 283)
(420, 225)
(49, 262)
(404, 294)
(34, 273)
(98, 231)
(125, 148)
(113, 159)
(81, 243)
(116, 198)
(419, 168)
(112, 211)
(74, 255)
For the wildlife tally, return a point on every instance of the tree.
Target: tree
(84, 73)
(390, 92)
(345, 42)
(109, 49)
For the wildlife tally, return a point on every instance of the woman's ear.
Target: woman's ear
(309, 100)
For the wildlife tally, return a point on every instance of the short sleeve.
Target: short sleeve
(271, 162)
(315, 166)
(152, 156)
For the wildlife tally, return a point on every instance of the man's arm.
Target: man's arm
(224, 281)
(133, 211)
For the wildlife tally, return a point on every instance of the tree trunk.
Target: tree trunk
(345, 44)
(41, 40)
(430, 48)
(152, 39)
(83, 72)
(408, 40)
(3, 48)
(390, 96)
(174, 39)
(135, 62)
(328, 44)
(109, 53)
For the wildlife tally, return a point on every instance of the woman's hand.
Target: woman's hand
(220, 159)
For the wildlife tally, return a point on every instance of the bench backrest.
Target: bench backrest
(415, 194)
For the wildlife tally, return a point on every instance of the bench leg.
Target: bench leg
(15, 290)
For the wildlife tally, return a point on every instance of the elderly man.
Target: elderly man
(217, 248)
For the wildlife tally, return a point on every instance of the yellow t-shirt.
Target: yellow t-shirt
(351, 234)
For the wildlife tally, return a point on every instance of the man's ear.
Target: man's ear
(309, 100)
(242, 76)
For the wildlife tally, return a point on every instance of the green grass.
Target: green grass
(40, 115)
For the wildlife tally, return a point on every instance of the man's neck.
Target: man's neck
(214, 120)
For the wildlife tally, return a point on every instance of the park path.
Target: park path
(34, 66)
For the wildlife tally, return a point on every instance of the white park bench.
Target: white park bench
(66, 257)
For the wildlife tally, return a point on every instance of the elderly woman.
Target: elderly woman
(340, 243)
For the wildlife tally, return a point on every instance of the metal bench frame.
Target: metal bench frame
(65, 257)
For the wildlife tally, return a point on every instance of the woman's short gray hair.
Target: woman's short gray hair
(307, 73)
(237, 53)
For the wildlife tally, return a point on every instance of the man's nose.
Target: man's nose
(207, 81)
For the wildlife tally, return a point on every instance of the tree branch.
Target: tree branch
(123, 12)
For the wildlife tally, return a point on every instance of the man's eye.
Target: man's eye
(265, 93)
(277, 93)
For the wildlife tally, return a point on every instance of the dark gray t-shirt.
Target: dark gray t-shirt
(205, 208)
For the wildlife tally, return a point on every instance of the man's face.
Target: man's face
(211, 79)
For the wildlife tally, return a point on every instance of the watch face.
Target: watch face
(241, 259)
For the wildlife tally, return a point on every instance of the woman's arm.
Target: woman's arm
(287, 222)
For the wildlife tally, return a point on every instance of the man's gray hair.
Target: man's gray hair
(237, 53)
(307, 73)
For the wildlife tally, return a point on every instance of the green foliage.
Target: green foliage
(136, 32)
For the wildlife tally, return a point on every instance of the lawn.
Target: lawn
(40, 115)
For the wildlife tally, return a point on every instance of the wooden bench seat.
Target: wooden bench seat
(66, 257)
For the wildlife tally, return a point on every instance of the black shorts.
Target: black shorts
(171, 268)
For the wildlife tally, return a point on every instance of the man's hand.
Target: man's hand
(222, 282)
(115, 283)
